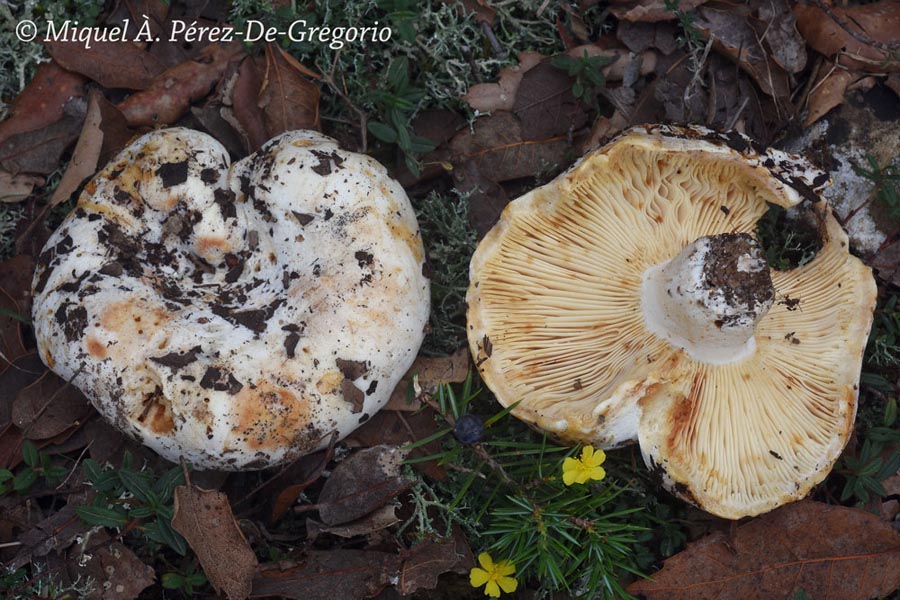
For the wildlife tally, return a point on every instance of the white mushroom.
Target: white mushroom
(239, 316)
(628, 301)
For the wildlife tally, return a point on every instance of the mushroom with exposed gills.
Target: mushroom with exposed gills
(236, 316)
(627, 300)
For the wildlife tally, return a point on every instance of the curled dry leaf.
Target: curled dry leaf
(649, 11)
(380, 519)
(15, 188)
(430, 559)
(248, 119)
(328, 575)
(11, 343)
(14, 376)
(86, 154)
(205, 520)
(40, 150)
(288, 99)
(42, 101)
(488, 97)
(400, 429)
(53, 534)
(48, 407)
(365, 481)
(865, 36)
(111, 64)
(429, 372)
(777, 26)
(825, 551)
(172, 91)
(828, 91)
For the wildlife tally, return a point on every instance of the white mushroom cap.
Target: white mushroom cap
(591, 303)
(239, 316)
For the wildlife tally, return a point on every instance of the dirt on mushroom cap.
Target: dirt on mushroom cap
(208, 309)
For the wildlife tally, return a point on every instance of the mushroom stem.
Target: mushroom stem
(708, 299)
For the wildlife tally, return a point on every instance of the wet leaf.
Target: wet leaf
(171, 93)
(344, 574)
(826, 551)
(111, 64)
(288, 99)
(42, 101)
(364, 482)
(48, 407)
(84, 159)
(205, 520)
(874, 28)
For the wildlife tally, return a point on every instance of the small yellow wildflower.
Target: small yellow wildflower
(495, 574)
(586, 468)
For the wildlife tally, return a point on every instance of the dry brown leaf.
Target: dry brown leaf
(14, 376)
(40, 150)
(828, 91)
(86, 154)
(116, 132)
(544, 101)
(399, 429)
(380, 519)
(734, 37)
(780, 34)
(15, 280)
(328, 575)
(111, 64)
(430, 371)
(288, 99)
(171, 93)
(11, 343)
(54, 533)
(649, 11)
(117, 572)
(829, 552)
(205, 520)
(248, 118)
(488, 97)
(869, 47)
(428, 560)
(15, 188)
(362, 483)
(43, 100)
(49, 407)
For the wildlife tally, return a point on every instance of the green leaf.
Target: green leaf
(397, 75)
(421, 145)
(142, 512)
(24, 480)
(578, 89)
(5, 475)
(136, 483)
(30, 454)
(100, 515)
(166, 485)
(172, 581)
(383, 132)
(161, 531)
(890, 412)
(92, 469)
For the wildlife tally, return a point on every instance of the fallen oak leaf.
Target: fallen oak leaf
(40, 151)
(501, 95)
(48, 407)
(42, 101)
(360, 484)
(114, 567)
(380, 519)
(204, 519)
(864, 36)
(826, 551)
(429, 559)
(327, 575)
(85, 155)
(111, 64)
(172, 91)
(650, 11)
(428, 372)
(288, 99)
(828, 91)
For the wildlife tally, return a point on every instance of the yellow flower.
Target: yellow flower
(495, 574)
(586, 468)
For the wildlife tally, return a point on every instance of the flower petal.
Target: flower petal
(492, 589)
(504, 567)
(597, 473)
(485, 560)
(569, 476)
(478, 577)
(508, 584)
(586, 453)
(596, 459)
